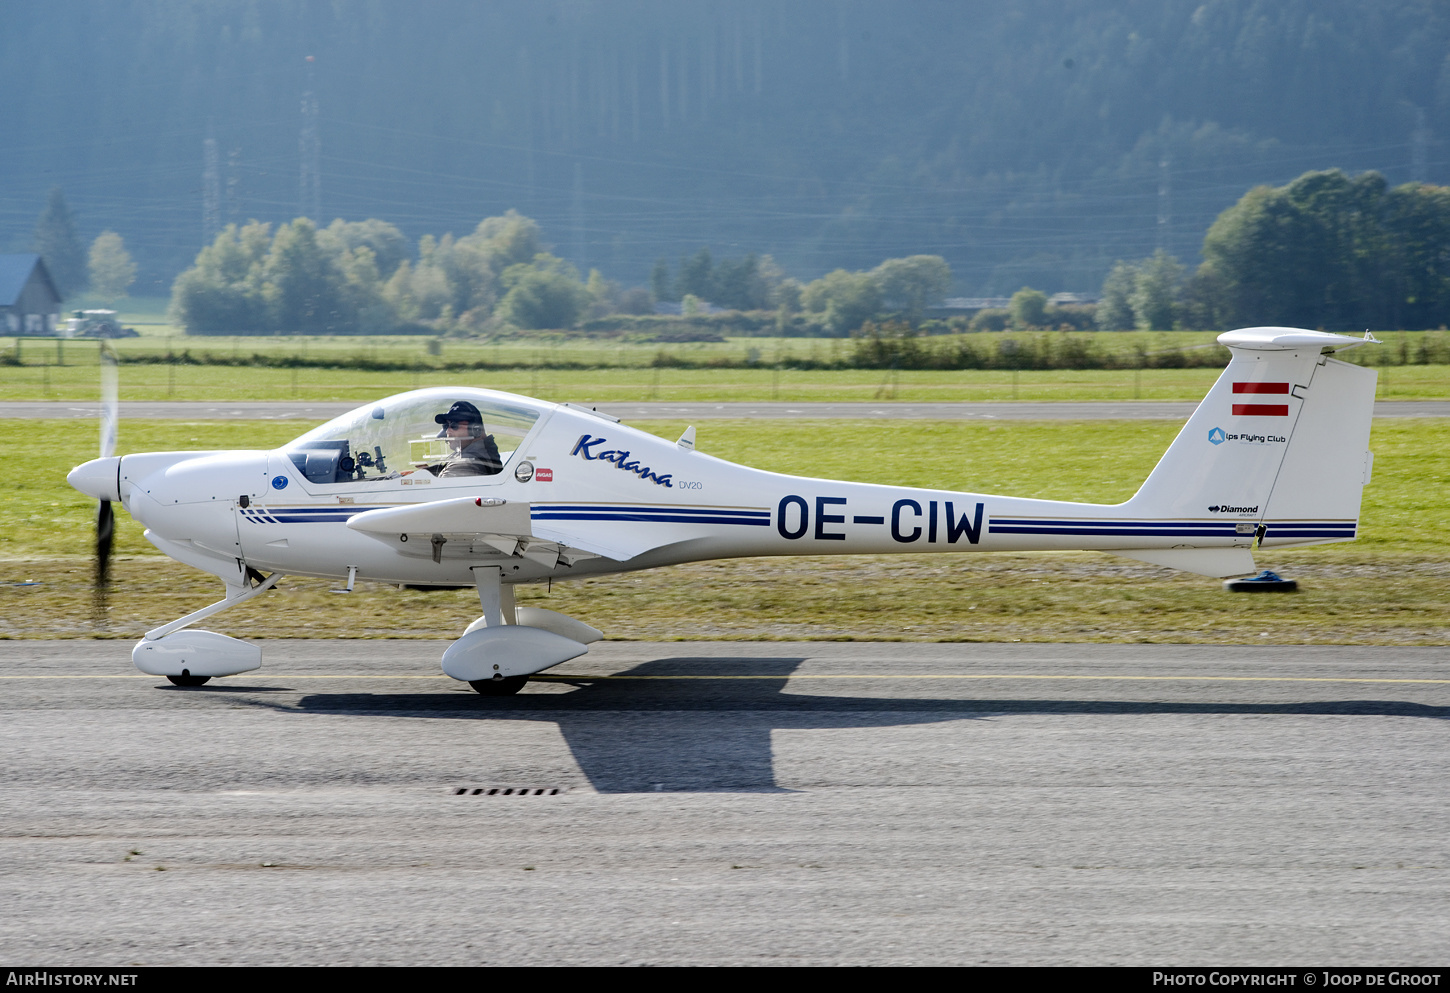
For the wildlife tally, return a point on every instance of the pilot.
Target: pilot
(474, 453)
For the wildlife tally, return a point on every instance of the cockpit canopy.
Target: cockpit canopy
(400, 434)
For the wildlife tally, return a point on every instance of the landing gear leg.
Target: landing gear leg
(235, 595)
(497, 602)
(191, 658)
(496, 655)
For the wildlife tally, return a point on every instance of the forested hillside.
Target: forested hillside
(1026, 143)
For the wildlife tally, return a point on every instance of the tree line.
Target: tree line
(357, 278)
(1327, 250)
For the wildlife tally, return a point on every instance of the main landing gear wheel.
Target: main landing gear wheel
(187, 679)
(507, 686)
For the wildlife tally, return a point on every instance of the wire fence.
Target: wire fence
(873, 351)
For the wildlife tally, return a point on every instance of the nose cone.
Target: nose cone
(99, 478)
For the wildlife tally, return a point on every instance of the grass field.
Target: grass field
(1390, 587)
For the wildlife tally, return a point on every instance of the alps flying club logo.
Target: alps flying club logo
(1218, 436)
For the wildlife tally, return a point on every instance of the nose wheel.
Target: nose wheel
(187, 679)
(507, 686)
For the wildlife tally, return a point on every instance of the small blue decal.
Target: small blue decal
(279, 482)
(1216, 436)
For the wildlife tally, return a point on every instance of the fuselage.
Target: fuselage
(644, 500)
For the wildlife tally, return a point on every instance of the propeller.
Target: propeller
(110, 412)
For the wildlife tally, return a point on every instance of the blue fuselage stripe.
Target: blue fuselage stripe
(654, 518)
(552, 508)
(1088, 532)
(1116, 524)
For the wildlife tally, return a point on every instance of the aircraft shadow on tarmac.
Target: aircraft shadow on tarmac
(714, 734)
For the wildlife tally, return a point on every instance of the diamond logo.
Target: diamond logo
(1217, 437)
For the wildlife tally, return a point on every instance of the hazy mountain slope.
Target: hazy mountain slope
(1027, 142)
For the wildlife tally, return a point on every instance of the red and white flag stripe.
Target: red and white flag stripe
(1261, 409)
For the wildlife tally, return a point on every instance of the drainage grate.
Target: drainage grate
(508, 791)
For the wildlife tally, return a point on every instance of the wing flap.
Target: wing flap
(617, 546)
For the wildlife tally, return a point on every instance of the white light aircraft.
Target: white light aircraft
(1274, 456)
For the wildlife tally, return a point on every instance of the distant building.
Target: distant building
(666, 309)
(963, 306)
(29, 301)
(1072, 299)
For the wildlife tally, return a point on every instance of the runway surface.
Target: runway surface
(293, 411)
(774, 803)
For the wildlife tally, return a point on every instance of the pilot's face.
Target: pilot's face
(459, 433)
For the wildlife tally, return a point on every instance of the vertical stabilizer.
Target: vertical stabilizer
(1280, 440)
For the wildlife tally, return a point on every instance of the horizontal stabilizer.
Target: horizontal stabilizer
(1285, 339)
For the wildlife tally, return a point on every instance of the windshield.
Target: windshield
(436, 430)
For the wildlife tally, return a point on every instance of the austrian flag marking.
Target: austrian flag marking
(1261, 409)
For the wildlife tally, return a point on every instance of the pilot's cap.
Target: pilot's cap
(461, 410)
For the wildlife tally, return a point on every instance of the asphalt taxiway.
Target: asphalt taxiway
(811, 803)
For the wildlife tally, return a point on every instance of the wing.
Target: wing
(506, 525)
